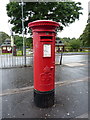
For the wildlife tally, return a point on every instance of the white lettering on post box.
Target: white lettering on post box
(47, 50)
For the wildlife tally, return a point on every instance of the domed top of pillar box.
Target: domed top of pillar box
(43, 25)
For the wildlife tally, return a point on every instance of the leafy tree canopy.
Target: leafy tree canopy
(18, 40)
(85, 37)
(63, 12)
(72, 44)
(3, 37)
(29, 42)
(75, 44)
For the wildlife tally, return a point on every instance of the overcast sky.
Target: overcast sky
(74, 30)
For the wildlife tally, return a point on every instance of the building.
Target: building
(59, 45)
(7, 48)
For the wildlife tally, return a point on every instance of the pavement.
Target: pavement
(71, 92)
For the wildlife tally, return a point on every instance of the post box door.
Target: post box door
(47, 70)
(44, 61)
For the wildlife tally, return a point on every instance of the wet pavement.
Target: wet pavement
(71, 98)
(70, 102)
(17, 78)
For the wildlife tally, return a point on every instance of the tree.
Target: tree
(85, 37)
(29, 42)
(71, 44)
(65, 39)
(18, 41)
(3, 37)
(63, 12)
(74, 44)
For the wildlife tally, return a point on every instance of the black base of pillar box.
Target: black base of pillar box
(44, 99)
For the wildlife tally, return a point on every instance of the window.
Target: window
(8, 48)
(4, 48)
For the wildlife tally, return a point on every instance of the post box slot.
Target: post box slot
(46, 38)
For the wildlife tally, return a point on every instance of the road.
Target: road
(72, 58)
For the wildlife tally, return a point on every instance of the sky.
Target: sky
(73, 30)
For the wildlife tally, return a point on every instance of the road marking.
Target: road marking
(30, 88)
(70, 81)
(75, 64)
(83, 116)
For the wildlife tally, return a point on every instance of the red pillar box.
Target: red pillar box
(44, 61)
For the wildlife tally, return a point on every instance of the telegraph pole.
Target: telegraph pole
(12, 42)
(24, 46)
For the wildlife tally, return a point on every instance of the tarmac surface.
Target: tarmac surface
(71, 91)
